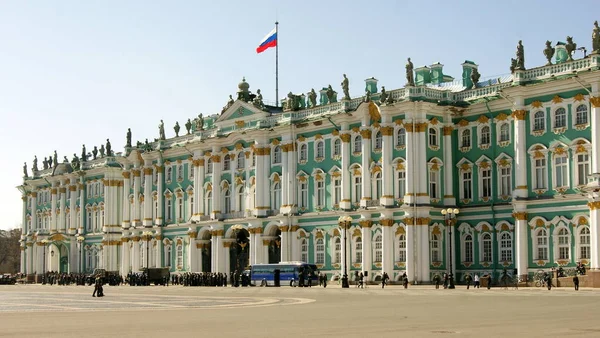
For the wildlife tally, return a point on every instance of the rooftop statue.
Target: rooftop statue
(25, 169)
(95, 152)
(161, 131)
(390, 100)
(520, 56)
(45, 163)
(383, 96)
(312, 98)
(108, 148)
(102, 150)
(410, 77)
(75, 162)
(258, 100)
(513, 65)
(345, 88)
(596, 39)
(177, 128)
(65, 159)
(367, 96)
(83, 154)
(55, 158)
(200, 123)
(475, 78)
(147, 146)
(549, 52)
(188, 126)
(50, 161)
(128, 144)
(330, 94)
(293, 101)
(35, 165)
(570, 47)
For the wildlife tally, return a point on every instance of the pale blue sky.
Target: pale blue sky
(75, 72)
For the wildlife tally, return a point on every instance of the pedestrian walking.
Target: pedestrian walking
(436, 280)
(384, 279)
(576, 282)
(489, 282)
(476, 281)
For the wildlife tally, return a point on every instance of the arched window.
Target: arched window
(506, 247)
(241, 201)
(504, 132)
(485, 135)
(468, 249)
(208, 202)
(227, 201)
(179, 172)
(435, 248)
(542, 244)
(241, 160)
(377, 249)
(561, 176)
(583, 168)
(277, 155)
(180, 209)
(377, 187)
(303, 152)
(168, 208)
(378, 140)
(358, 250)
(401, 138)
(169, 174)
(276, 196)
(581, 115)
(337, 252)
(486, 241)
(357, 144)
(357, 193)
(209, 166)
(563, 244)
(539, 121)
(304, 250)
(337, 147)
(560, 118)
(168, 257)
(466, 139)
(320, 251)
(320, 149)
(433, 139)
(584, 243)
(227, 162)
(179, 257)
(401, 257)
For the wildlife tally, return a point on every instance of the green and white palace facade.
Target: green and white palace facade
(518, 156)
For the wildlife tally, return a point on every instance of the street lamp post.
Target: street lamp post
(450, 218)
(80, 240)
(45, 243)
(345, 222)
(146, 236)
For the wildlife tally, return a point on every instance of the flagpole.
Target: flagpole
(277, 65)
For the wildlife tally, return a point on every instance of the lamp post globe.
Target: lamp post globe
(449, 217)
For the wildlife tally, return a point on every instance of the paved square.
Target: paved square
(420, 311)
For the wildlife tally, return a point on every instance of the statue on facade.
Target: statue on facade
(83, 154)
(108, 148)
(570, 46)
(65, 159)
(95, 152)
(188, 126)
(293, 102)
(312, 98)
(147, 146)
(346, 88)
(177, 128)
(410, 77)
(128, 144)
(161, 131)
(520, 56)
(55, 158)
(50, 161)
(475, 78)
(549, 52)
(229, 104)
(75, 162)
(45, 163)
(383, 96)
(390, 100)
(330, 93)
(35, 165)
(102, 150)
(513, 65)
(258, 100)
(596, 39)
(200, 123)
(25, 169)
(367, 96)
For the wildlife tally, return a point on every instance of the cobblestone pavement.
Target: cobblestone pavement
(419, 311)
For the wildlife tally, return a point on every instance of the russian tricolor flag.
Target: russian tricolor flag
(268, 41)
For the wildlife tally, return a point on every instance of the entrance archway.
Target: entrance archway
(205, 250)
(58, 257)
(275, 248)
(239, 251)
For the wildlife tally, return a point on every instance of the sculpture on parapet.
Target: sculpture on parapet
(330, 94)
(410, 77)
(549, 52)
(45, 163)
(200, 123)
(75, 164)
(312, 98)
(65, 159)
(474, 78)
(25, 169)
(367, 96)
(128, 144)
(390, 100)
(520, 56)
(55, 158)
(83, 154)
(95, 152)
(346, 88)
(177, 128)
(596, 39)
(35, 165)
(108, 148)
(293, 102)
(147, 146)
(258, 100)
(570, 46)
(50, 161)
(383, 96)
(102, 150)
(161, 131)
(188, 126)
(229, 104)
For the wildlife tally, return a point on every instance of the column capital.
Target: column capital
(520, 215)
(519, 114)
(345, 137)
(594, 205)
(126, 174)
(365, 223)
(448, 130)
(387, 131)
(595, 100)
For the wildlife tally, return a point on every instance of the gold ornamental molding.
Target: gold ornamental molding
(557, 99)
(386, 222)
(284, 228)
(136, 173)
(448, 130)
(62, 190)
(266, 242)
(217, 233)
(294, 228)
(366, 133)
(519, 114)
(135, 238)
(159, 169)
(365, 223)
(387, 131)
(420, 127)
(57, 237)
(521, 215)
(147, 171)
(536, 104)
(594, 205)
(227, 244)
(579, 97)
(72, 188)
(216, 158)
(345, 137)
(595, 100)
(124, 239)
(33, 194)
(53, 191)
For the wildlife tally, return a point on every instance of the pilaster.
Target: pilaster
(346, 202)
(520, 144)
(449, 198)
(366, 199)
(387, 199)
(147, 218)
(521, 252)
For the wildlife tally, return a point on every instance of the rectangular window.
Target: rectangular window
(433, 193)
(487, 250)
(486, 183)
(303, 195)
(560, 167)
(466, 186)
(337, 191)
(401, 178)
(540, 173)
(469, 251)
(320, 193)
(583, 168)
(563, 253)
(505, 182)
(357, 189)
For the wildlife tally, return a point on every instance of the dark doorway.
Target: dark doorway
(275, 249)
(277, 277)
(206, 258)
(239, 252)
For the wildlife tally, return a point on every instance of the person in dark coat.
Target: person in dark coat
(576, 282)
(489, 286)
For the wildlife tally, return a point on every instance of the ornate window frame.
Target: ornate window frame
(560, 151)
(581, 147)
(275, 192)
(356, 184)
(433, 135)
(302, 152)
(400, 137)
(579, 244)
(276, 155)
(467, 238)
(538, 156)
(336, 186)
(377, 251)
(319, 191)
(465, 139)
(575, 115)
(465, 170)
(505, 228)
(377, 141)
(319, 149)
(534, 128)
(480, 135)
(336, 148)
(540, 240)
(303, 190)
(357, 141)
(399, 179)
(484, 165)
(434, 170)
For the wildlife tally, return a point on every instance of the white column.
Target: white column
(136, 253)
(367, 244)
(387, 261)
(594, 235)
(595, 129)
(30, 256)
(193, 252)
(34, 216)
(24, 229)
(265, 249)
(410, 266)
(147, 218)
(136, 197)
(54, 220)
(293, 185)
(295, 255)
(420, 150)
(82, 210)
(198, 188)
(521, 252)
(387, 199)
(285, 180)
(257, 246)
(125, 200)
(346, 202)
(412, 174)
(159, 194)
(366, 163)
(125, 256)
(216, 183)
(226, 256)
(449, 198)
(62, 219)
(262, 180)
(424, 254)
(217, 251)
(73, 206)
(252, 239)
(23, 265)
(520, 153)
(285, 243)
